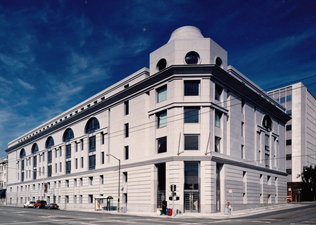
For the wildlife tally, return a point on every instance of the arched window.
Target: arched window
(68, 135)
(92, 125)
(267, 122)
(49, 142)
(34, 148)
(22, 153)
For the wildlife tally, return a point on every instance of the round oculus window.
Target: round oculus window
(218, 61)
(161, 64)
(192, 58)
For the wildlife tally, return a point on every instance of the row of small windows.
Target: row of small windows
(91, 126)
(285, 99)
(190, 58)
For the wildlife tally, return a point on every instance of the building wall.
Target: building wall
(241, 152)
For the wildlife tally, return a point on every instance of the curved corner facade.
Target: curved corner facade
(189, 120)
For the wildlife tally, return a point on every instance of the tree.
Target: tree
(309, 183)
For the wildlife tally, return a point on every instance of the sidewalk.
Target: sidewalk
(221, 215)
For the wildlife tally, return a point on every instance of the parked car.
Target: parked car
(40, 204)
(29, 204)
(51, 206)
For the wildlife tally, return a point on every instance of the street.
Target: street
(16, 215)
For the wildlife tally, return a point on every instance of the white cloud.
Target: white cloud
(25, 84)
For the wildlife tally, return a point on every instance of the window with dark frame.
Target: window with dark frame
(102, 157)
(191, 142)
(217, 144)
(218, 92)
(68, 151)
(126, 108)
(191, 87)
(92, 144)
(162, 144)
(191, 114)
(68, 167)
(289, 142)
(126, 125)
(288, 156)
(91, 162)
(218, 116)
(126, 149)
(288, 127)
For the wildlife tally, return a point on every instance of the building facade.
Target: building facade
(189, 120)
(300, 135)
(3, 179)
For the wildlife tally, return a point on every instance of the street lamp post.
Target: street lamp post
(119, 178)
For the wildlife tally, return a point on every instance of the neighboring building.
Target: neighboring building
(300, 135)
(3, 178)
(188, 120)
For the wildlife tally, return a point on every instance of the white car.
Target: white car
(29, 204)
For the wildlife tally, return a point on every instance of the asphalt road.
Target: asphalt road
(16, 215)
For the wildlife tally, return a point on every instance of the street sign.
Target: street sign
(230, 190)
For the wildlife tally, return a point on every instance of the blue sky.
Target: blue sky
(55, 54)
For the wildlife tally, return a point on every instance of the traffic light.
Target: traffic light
(170, 198)
(177, 198)
(171, 187)
(174, 187)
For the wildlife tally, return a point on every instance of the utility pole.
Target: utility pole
(119, 179)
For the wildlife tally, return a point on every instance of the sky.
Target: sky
(55, 54)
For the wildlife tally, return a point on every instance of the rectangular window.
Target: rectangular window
(91, 162)
(102, 157)
(267, 142)
(126, 149)
(289, 171)
(81, 162)
(125, 176)
(191, 142)
(91, 180)
(242, 152)
(102, 138)
(59, 184)
(191, 114)
(56, 153)
(81, 181)
(75, 199)
(162, 144)
(267, 160)
(76, 146)
(126, 129)
(76, 163)
(288, 127)
(67, 183)
(191, 88)
(282, 100)
(289, 98)
(68, 151)
(49, 171)
(60, 167)
(217, 144)
(101, 179)
(162, 94)
(289, 142)
(90, 198)
(75, 182)
(80, 199)
(60, 152)
(81, 141)
(92, 144)
(218, 116)
(288, 156)
(126, 108)
(242, 129)
(218, 92)
(68, 167)
(49, 157)
(162, 119)
(35, 161)
(289, 112)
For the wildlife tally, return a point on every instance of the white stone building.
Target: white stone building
(3, 178)
(189, 120)
(300, 135)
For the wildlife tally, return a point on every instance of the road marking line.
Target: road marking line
(220, 221)
(256, 221)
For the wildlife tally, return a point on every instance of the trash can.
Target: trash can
(167, 211)
(170, 212)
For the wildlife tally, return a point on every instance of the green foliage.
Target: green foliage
(309, 183)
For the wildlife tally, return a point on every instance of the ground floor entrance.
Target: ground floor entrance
(191, 201)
